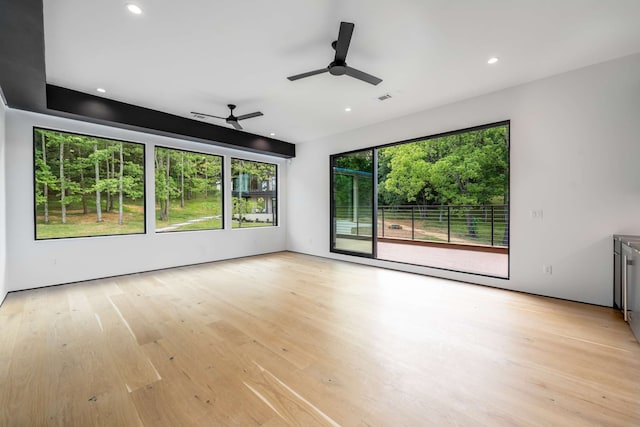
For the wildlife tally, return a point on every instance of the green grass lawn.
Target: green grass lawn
(245, 224)
(193, 209)
(209, 224)
(460, 232)
(81, 225)
(437, 230)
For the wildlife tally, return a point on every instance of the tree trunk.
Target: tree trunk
(182, 179)
(162, 211)
(45, 190)
(63, 207)
(471, 230)
(470, 226)
(206, 179)
(84, 194)
(165, 212)
(120, 219)
(158, 162)
(113, 175)
(240, 200)
(97, 169)
(107, 200)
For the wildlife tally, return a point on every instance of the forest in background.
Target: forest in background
(87, 186)
(91, 186)
(466, 168)
(188, 190)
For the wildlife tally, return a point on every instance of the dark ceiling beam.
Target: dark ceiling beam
(23, 83)
(22, 69)
(107, 111)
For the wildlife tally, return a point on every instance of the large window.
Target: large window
(254, 194)
(188, 190)
(87, 186)
(440, 201)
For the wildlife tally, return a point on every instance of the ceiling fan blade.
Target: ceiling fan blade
(207, 115)
(249, 116)
(235, 124)
(361, 75)
(344, 39)
(308, 74)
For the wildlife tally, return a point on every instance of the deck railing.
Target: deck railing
(486, 225)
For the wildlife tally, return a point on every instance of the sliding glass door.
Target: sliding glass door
(439, 201)
(352, 203)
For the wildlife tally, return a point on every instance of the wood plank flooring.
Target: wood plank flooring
(293, 340)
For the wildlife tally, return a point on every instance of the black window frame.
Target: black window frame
(222, 192)
(35, 206)
(332, 204)
(274, 200)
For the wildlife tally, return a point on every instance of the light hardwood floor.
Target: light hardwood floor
(287, 339)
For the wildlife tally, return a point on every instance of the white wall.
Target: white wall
(3, 226)
(575, 154)
(32, 263)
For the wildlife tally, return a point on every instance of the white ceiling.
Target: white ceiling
(199, 55)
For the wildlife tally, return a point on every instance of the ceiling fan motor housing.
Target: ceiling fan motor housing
(338, 68)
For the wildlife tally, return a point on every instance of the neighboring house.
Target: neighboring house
(259, 196)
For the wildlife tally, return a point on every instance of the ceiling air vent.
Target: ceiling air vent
(384, 97)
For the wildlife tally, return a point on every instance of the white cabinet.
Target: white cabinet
(630, 286)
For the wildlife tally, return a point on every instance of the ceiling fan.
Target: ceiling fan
(232, 120)
(339, 67)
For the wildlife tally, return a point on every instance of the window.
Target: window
(254, 194)
(87, 186)
(439, 201)
(188, 190)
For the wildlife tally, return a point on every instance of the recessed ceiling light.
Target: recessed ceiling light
(493, 60)
(347, 109)
(134, 8)
(272, 134)
(101, 90)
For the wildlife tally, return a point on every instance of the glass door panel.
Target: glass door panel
(352, 203)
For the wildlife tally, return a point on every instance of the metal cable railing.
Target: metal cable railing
(486, 225)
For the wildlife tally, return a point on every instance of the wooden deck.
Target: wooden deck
(293, 340)
(471, 261)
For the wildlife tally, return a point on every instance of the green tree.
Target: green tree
(45, 179)
(468, 168)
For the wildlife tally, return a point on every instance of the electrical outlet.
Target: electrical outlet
(547, 269)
